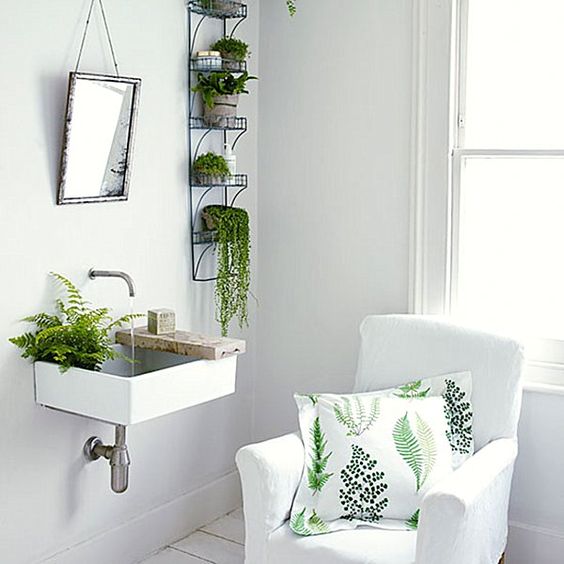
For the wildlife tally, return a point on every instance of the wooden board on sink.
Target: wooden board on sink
(183, 343)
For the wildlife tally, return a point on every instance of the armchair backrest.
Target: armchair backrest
(396, 349)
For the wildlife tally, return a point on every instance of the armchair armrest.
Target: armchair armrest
(270, 475)
(464, 517)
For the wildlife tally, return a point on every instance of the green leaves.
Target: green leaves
(412, 390)
(316, 475)
(419, 452)
(413, 521)
(353, 414)
(428, 446)
(231, 48)
(211, 164)
(408, 447)
(233, 264)
(79, 336)
(291, 4)
(221, 84)
(313, 526)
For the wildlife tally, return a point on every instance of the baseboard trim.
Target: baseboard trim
(137, 538)
(530, 543)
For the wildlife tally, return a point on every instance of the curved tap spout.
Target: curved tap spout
(92, 273)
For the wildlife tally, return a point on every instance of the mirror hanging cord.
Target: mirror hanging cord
(107, 29)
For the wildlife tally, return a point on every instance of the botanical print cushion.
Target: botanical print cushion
(358, 413)
(369, 460)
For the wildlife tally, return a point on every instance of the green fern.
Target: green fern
(291, 7)
(317, 477)
(313, 526)
(352, 414)
(298, 524)
(78, 336)
(428, 446)
(413, 521)
(412, 390)
(316, 524)
(408, 447)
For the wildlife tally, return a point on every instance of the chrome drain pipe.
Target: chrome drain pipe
(117, 454)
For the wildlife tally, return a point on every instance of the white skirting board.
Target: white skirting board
(529, 544)
(137, 538)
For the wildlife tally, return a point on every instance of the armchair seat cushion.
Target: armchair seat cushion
(364, 545)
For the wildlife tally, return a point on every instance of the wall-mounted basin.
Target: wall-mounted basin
(163, 383)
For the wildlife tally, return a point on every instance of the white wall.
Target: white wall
(334, 137)
(50, 498)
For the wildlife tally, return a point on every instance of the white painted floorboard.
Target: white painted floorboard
(220, 542)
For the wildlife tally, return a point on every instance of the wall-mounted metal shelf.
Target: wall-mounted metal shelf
(227, 65)
(203, 191)
(225, 124)
(220, 9)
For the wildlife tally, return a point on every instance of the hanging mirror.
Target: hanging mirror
(98, 140)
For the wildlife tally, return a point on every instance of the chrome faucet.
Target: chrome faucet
(117, 454)
(92, 273)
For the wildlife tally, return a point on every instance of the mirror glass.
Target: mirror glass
(100, 120)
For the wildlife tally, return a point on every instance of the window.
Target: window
(507, 248)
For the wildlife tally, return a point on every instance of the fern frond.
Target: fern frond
(413, 521)
(316, 524)
(317, 477)
(428, 446)
(298, 525)
(408, 447)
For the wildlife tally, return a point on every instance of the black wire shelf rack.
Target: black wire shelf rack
(220, 9)
(205, 237)
(206, 181)
(221, 124)
(210, 64)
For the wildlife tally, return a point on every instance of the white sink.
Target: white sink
(163, 383)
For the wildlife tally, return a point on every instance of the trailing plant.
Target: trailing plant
(363, 486)
(354, 416)
(291, 7)
(221, 84)
(233, 268)
(76, 335)
(316, 475)
(231, 48)
(211, 164)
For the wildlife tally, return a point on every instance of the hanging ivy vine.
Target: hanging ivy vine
(233, 268)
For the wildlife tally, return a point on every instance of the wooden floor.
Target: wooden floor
(222, 542)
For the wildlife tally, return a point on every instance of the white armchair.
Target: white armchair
(464, 518)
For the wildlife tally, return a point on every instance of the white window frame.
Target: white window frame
(439, 55)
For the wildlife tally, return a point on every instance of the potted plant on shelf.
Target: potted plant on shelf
(75, 336)
(228, 7)
(210, 168)
(231, 48)
(233, 258)
(220, 93)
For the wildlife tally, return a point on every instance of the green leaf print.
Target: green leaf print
(408, 447)
(316, 475)
(314, 525)
(363, 486)
(413, 521)
(458, 414)
(428, 446)
(412, 390)
(354, 415)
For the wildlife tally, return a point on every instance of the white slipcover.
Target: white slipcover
(463, 518)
